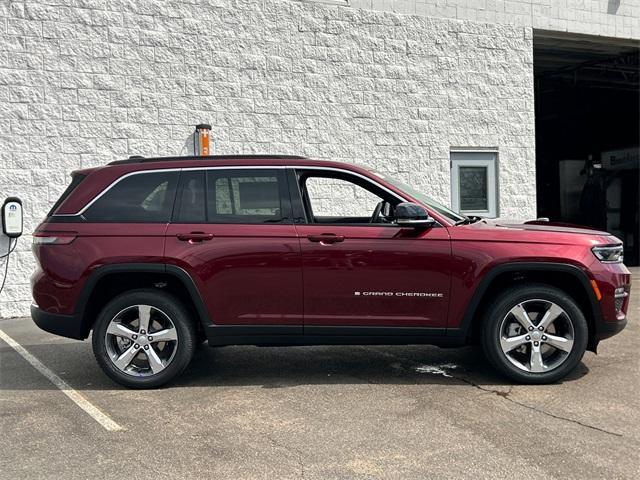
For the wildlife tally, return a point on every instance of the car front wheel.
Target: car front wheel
(143, 338)
(534, 333)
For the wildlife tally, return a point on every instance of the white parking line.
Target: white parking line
(100, 417)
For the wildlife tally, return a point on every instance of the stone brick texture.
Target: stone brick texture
(609, 18)
(83, 82)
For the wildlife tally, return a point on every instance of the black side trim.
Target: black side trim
(366, 331)
(100, 272)
(194, 293)
(247, 330)
(465, 326)
(69, 326)
(301, 340)
(161, 268)
(290, 335)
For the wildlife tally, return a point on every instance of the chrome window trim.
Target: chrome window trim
(228, 167)
(367, 179)
(110, 186)
(142, 172)
(350, 172)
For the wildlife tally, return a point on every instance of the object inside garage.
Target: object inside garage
(587, 94)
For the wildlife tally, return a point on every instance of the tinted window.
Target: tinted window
(246, 196)
(75, 181)
(143, 198)
(191, 203)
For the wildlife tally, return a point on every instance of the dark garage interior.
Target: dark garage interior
(588, 133)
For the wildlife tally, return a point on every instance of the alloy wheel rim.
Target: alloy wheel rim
(537, 336)
(141, 340)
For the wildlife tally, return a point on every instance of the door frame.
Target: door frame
(354, 334)
(223, 333)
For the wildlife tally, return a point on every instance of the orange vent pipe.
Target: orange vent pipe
(202, 139)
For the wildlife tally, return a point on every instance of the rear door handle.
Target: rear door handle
(193, 237)
(326, 238)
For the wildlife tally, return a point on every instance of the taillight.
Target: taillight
(53, 238)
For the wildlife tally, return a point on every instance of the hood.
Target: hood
(532, 232)
(544, 226)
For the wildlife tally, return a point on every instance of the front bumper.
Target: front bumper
(611, 316)
(64, 325)
(609, 329)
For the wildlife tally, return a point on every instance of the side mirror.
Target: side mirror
(12, 217)
(412, 215)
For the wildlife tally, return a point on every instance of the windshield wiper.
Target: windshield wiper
(468, 220)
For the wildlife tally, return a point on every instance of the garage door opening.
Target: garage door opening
(587, 92)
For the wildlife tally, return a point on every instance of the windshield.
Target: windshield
(428, 201)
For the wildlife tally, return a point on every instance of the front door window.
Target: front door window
(338, 199)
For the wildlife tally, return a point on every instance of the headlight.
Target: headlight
(609, 254)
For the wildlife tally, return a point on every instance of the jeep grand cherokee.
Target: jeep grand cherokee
(156, 255)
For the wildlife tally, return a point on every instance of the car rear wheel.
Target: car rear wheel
(143, 338)
(534, 333)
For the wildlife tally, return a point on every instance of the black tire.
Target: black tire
(500, 307)
(173, 309)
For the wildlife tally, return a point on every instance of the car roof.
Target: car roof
(137, 163)
(204, 158)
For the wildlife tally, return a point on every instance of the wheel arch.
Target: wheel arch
(107, 281)
(567, 277)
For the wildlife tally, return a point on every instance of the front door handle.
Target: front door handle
(194, 237)
(326, 238)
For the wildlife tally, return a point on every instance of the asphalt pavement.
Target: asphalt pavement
(410, 412)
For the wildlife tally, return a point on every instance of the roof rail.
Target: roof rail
(141, 159)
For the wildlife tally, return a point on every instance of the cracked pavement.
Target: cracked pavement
(323, 412)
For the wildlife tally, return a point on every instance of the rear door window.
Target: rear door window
(239, 196)
(247, 196)
(191, 202)
(140, 198)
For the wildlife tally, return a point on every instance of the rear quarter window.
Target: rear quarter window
(139, 198)
(75, 181)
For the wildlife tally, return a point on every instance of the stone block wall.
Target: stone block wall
(609, 18)
(83, 82)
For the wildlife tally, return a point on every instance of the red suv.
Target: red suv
(158, 254)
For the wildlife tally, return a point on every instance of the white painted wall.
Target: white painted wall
(84, 82)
